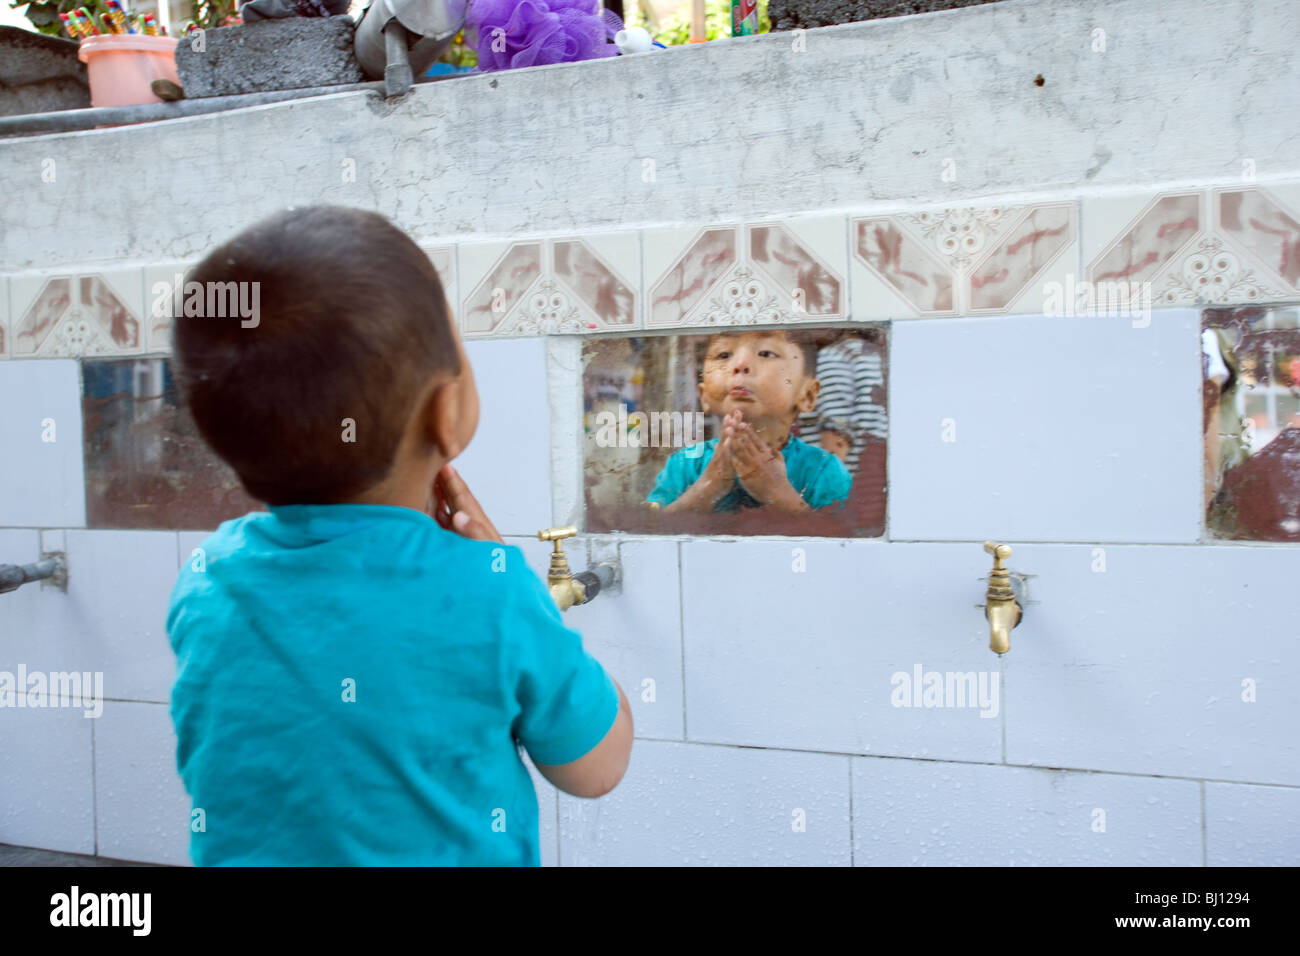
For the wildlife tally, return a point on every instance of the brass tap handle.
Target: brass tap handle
(564, 589)
(1000, 553)
(557, 535)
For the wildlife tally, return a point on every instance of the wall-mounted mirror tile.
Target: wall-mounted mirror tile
(742, 431)
(1250, 358)
(146, 466)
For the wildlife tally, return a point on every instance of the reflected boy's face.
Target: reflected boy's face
(837, 444)
(759, 373)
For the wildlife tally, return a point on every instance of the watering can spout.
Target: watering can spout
(398, 40)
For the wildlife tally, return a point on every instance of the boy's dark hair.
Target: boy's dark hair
(352, 324)
(807, 340)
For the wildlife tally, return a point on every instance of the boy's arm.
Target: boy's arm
(712, 485)
(832, 485)
(600, 769)
(573, 718)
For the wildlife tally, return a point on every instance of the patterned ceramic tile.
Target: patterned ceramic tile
(160, 284)
(73, 314)
(1040, 246)
(1230, 246)
(545, 286)
(754, 273)
(443, 257)
(897, 274)
(957, 261)
(1139, 238)
(1265, 227)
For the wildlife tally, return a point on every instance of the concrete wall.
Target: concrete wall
(1120, 734)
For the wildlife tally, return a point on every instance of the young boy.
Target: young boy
(759, 382)
(357, 667)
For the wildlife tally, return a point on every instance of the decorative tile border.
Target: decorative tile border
(70, 314)
(443, 257)
(1264, 226)
(568, 284)
(160, 282)
(961, 261)
(1237, 245)
(1226, 246)
(773, 271)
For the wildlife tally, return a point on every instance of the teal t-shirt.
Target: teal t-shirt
(819, 477)
(351, 683)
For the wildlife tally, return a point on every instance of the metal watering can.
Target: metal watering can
(400, 39)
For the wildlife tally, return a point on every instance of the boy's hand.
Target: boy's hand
(761, 470)
(456, 509)
(718, 475)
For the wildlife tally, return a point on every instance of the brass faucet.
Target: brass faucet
(568, 589)
(1002, 610)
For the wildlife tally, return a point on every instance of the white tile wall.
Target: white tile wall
(806, 659)
(119, 583)
(920, 813)
(54, 539)
(186, 542)
(697, 805)
(636, 634)
(631, 633)
(1139, 668)
(46, 789)
(1251, 826)
(1066, 429)
(41, 627)
(548, 836)
(507, 464)
(143, 811)
(41, 481)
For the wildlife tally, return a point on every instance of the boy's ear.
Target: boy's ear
(807, 400)
(441, 417)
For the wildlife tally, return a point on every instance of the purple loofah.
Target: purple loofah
(517, 33)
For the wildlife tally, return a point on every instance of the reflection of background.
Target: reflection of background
(851, 404)
(662, 374)
(1251, 365)
(146, 466)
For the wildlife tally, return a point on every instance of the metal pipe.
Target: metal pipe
(14, 576)
(597, 578)
(64, 121)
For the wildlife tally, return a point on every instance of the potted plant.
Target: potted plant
(122, 56)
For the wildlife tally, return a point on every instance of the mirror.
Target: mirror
(1250, 362)
(737, 431)
(146, 465)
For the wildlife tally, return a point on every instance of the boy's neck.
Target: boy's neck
(409, 486)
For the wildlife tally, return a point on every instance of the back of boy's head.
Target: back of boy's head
(352, 325)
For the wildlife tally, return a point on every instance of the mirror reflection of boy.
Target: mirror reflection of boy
(759, 382)
(837, 438)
